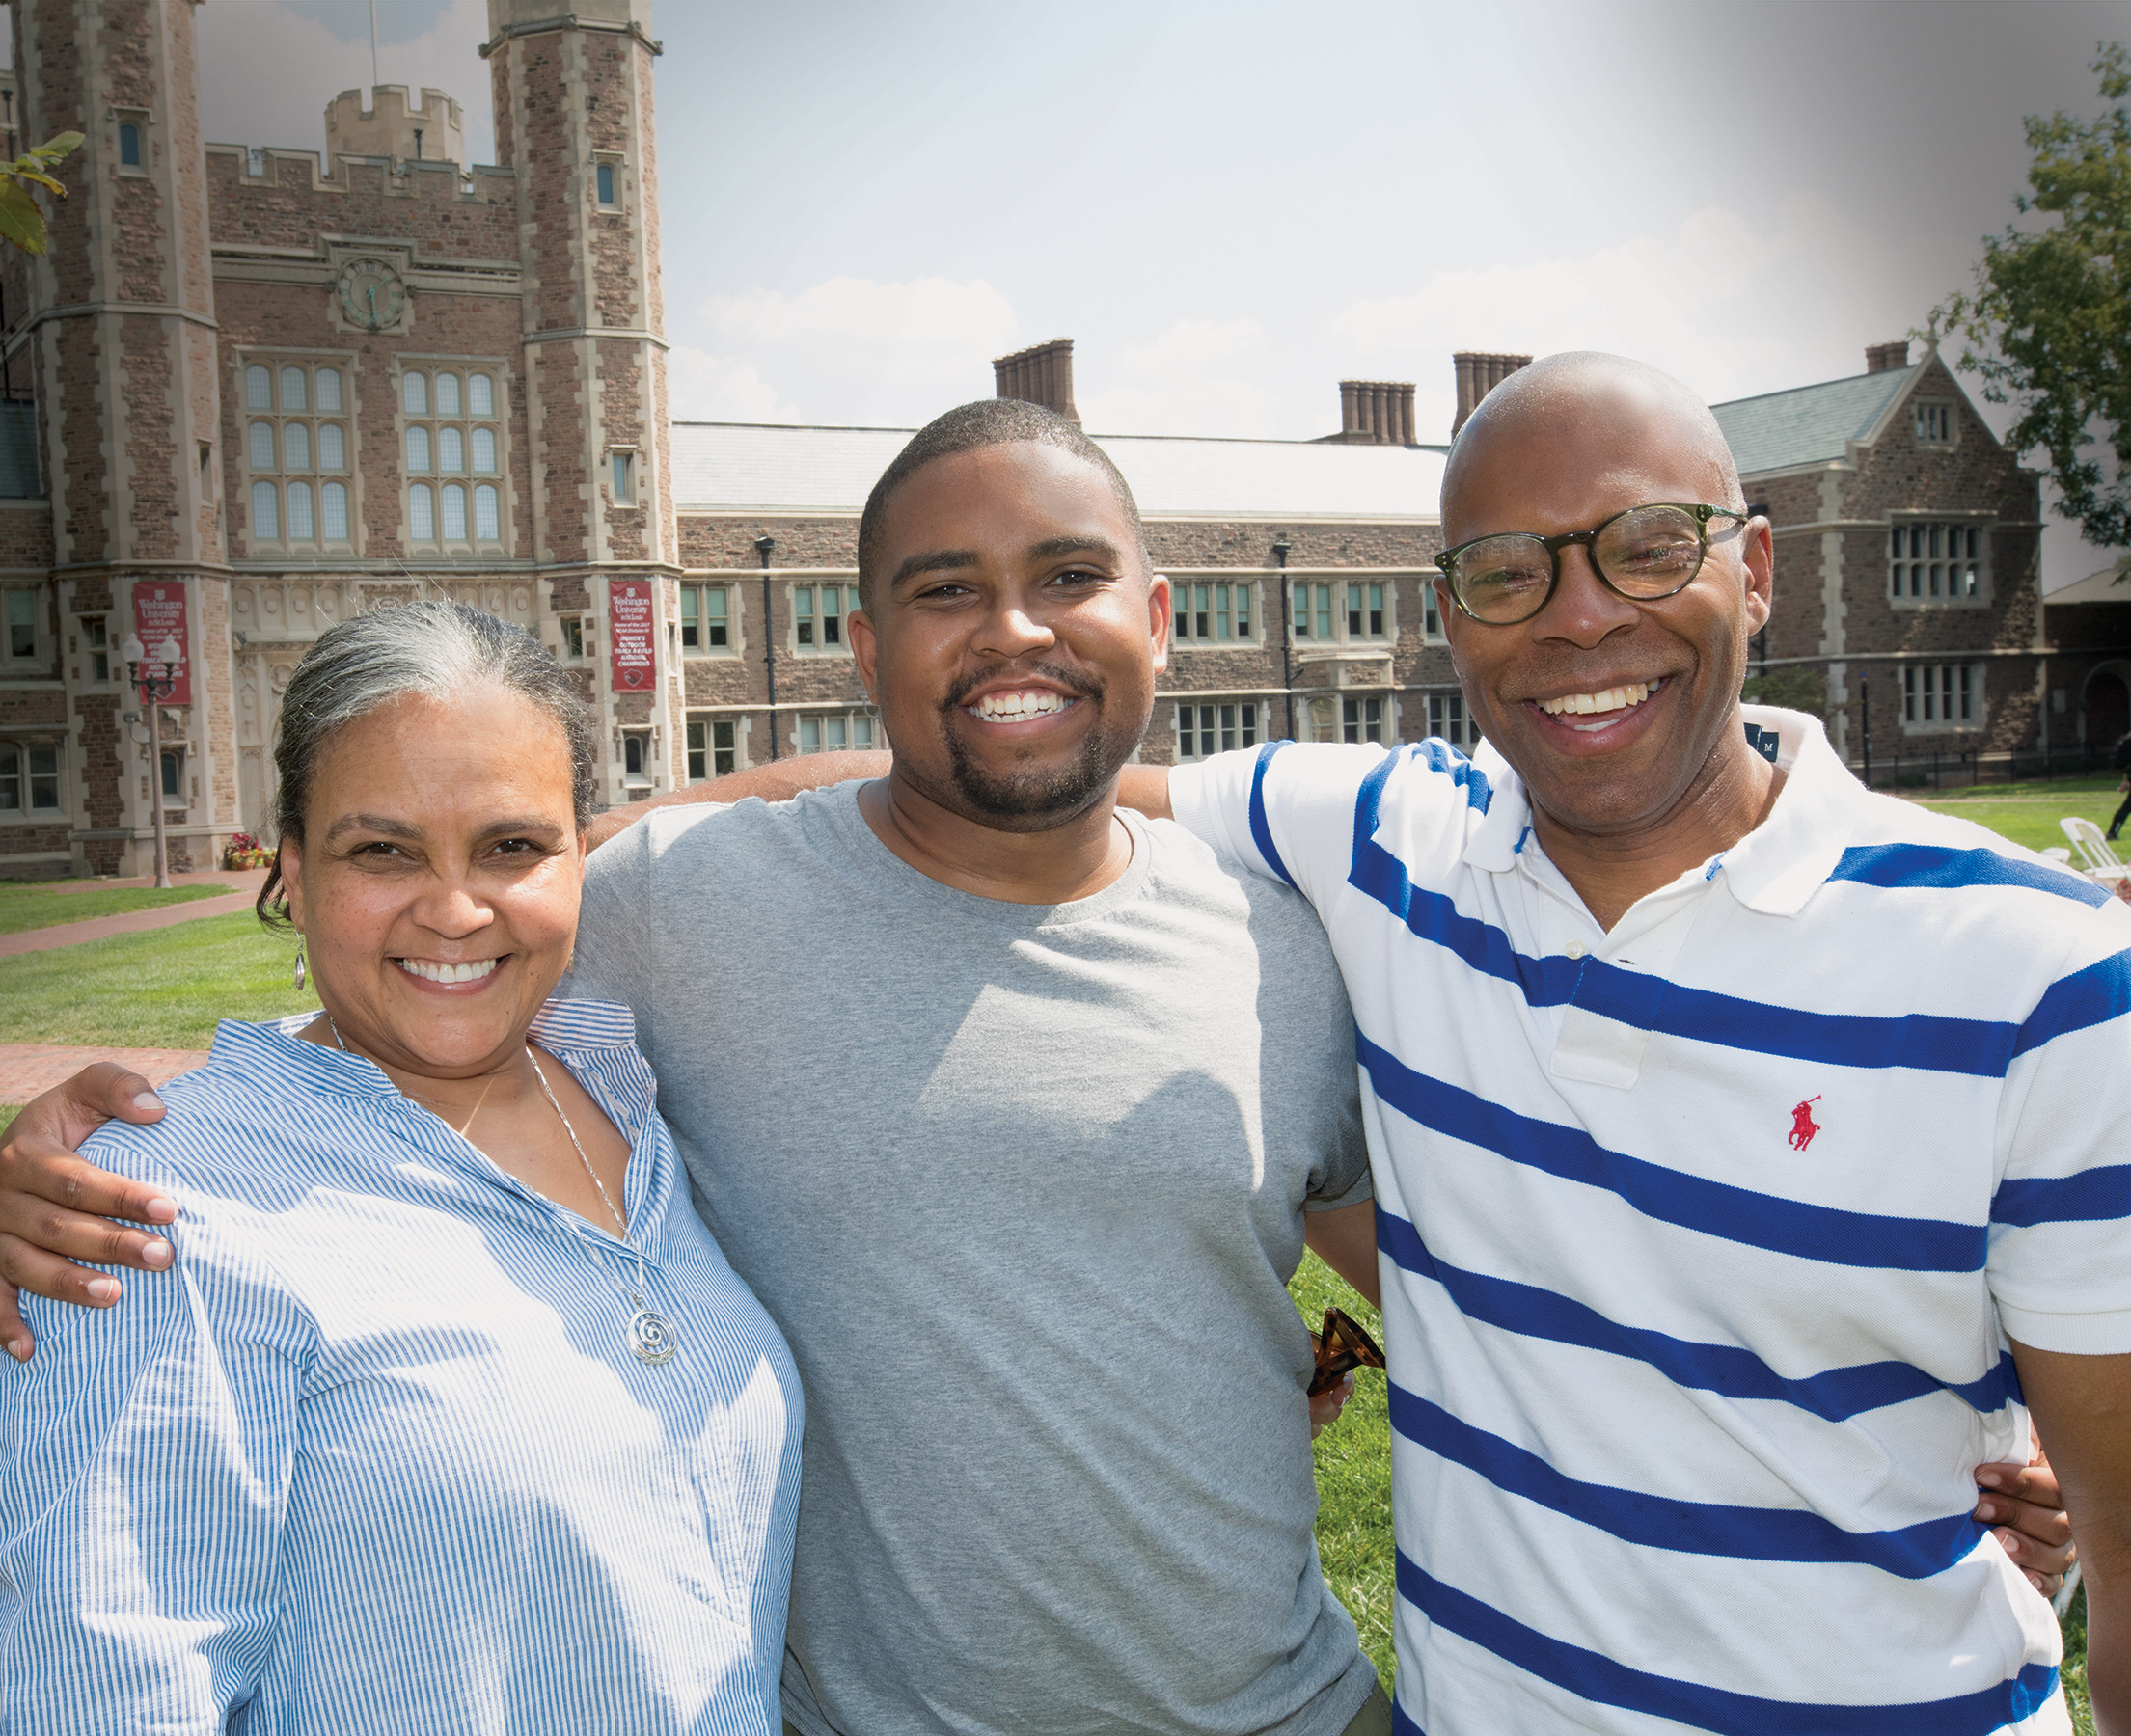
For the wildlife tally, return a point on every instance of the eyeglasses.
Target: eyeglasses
(1643, 554)
(1341, 1347)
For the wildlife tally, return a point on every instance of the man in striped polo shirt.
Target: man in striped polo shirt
(1746, 1144)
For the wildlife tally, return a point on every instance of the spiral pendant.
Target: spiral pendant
(652, 1339)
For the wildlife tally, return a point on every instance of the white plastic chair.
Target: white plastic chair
(2091, 852)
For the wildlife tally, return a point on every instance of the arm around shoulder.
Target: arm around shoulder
(778, 781)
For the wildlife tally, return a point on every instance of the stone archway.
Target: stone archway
(2105, 706)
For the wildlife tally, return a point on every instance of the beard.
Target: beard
(1040, 796)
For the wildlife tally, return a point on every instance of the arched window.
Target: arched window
(414, 394)
(130, 145)
(266, 512)
(335, 513)
(450, 449)
(487, 527)
(448, 394)
(258, 388)
(454, 513)
(422, 522)
(294, 393)
(485, 452)
(263, 446)
(481, 395)
(417, 448)
(300, 526)
(332, 447)
(295, 450)
(329, 387)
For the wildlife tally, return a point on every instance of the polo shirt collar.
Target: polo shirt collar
(1782, 862)
(1774, 869)
(1503, 830)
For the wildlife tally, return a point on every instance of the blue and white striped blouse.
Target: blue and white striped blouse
(375, 1455)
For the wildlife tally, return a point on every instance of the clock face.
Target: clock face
(371, 294)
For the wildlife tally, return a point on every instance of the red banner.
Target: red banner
(159, 615)
(629, 632)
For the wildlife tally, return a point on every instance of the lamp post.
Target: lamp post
(155, 689)
(765, 546)
(1280, 548)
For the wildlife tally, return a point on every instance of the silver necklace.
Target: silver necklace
(652, 1339)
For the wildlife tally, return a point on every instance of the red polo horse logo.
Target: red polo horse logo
(1802, 1125)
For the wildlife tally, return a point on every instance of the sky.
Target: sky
(1232, 206)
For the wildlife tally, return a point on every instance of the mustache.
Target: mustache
(1074, 682)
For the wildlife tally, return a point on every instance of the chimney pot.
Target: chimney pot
(1477, 374)
(1041, 375)
(1375, 413)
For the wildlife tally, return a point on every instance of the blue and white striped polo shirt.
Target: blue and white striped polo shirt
(1703, 1238)
(374, 1455)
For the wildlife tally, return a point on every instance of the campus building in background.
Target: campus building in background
(250, 391)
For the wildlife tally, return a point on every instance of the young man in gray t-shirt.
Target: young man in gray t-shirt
(1011, 1109)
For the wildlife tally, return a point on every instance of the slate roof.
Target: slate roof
(775, 468)
(2110, 584)
(1808, 425)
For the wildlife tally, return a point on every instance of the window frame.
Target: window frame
(1445, 710)
(40, 652)
(140, 121)
(26, 777)
(699, 592)
(616, 202)
(1926, 686)
(1923, 570)
(801, 638)
(705, 751)
(313, 425)
(94, 643)
(1185, 613)
(1201, 727)
(1924, 411)
(858, 719)
(1338, 611)
(433, 424)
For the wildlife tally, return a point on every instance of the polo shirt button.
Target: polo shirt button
(1575, 949)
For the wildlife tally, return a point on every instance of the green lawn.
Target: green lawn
(1353, 1476)
(163, 988)
(2033, 822)
(43, 904)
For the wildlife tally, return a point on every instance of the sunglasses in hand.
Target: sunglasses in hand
(1341, 1347)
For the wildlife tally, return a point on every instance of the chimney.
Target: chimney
(1478, 375)
(1881, 358)
(1375, 413)
(1042, 374)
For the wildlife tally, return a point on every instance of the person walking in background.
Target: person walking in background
(2120, 760)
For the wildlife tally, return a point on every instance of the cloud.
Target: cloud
(1200, 376)
(268, 67)
(1731, 307)
(707, 388)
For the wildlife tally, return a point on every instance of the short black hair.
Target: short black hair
(969, 429)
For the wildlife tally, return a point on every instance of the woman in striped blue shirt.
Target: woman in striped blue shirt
(448, 1415)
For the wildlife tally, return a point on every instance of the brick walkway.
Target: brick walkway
(29, 1068)
(73, 933)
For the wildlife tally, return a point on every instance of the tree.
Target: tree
(2049, 318)
(20, 220)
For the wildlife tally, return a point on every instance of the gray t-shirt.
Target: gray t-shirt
(1023, 1185)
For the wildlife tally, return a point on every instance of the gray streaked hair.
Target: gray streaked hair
(437, 649)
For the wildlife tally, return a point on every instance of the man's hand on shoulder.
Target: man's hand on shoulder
(56, 1209)
(779, 781)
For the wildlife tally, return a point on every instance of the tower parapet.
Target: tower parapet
(433, 129)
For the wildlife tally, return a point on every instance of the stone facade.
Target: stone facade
(1908, 549)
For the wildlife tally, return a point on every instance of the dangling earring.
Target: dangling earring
(301, 973)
